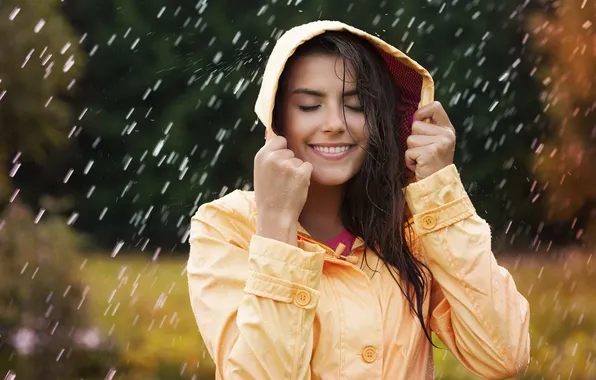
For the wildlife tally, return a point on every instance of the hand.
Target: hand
(432, 144)
(281, 186)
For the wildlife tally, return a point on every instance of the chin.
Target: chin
(330, 177)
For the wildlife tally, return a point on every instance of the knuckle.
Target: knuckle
(446, 141)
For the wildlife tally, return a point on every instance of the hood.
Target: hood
(414, 82)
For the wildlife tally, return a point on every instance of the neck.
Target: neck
(321, 213)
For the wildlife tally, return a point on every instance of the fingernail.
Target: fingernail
(411, 119)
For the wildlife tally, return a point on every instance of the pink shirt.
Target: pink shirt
(345, 238)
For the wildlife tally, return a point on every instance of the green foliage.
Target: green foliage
(562, 323)
(170, 89)
(43, 316)
(39, 58)
(145, 304)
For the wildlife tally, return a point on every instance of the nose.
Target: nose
(336, 121)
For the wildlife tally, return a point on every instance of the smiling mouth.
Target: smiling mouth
(332, 149)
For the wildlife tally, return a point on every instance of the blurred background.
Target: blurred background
(118, 118)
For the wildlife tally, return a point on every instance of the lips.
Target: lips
(332, 153)
(331, 149)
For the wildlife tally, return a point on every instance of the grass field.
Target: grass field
(144, 306)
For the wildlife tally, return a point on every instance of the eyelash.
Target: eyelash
(314, 108)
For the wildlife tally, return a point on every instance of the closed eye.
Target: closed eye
(356, 109)
(308, 108)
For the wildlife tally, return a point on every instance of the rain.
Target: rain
(119, 119)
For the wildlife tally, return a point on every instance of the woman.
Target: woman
(319, 274)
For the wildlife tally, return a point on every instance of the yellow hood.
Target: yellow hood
(415, 83)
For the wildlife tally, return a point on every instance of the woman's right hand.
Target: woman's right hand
(281, 184)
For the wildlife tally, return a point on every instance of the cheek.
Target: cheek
(294, 132)
(357, 128)
(299, 125)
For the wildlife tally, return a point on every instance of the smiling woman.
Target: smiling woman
(322, 118)
(318, 273)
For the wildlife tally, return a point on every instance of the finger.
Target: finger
(306, 168)
(412, 157)
(293, 162)
(415, 141)
(282, 154)
(434, 112)
(424, 128)
(276, 143)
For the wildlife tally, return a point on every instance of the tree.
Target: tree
(169, 94)
(39, 62)
(170, 89)
(43, 315)
(564, 162)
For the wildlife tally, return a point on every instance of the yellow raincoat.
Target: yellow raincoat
(269, 310)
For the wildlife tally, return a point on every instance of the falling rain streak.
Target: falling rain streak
(160, 119)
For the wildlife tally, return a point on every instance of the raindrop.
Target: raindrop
(134, 44)
(117, 248)
(236, 37)
(39, 25)
(68, 175)
(165, 187)
(73, 218)
(83, 113)
(14, 195)
(39, 215)
(158, 147)
(27, 58)
(60, 354)
(492, 107)
(91, 190)
(88, 167)
(111, 374)
(14, 13)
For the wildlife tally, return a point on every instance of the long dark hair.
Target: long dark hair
(374, 205)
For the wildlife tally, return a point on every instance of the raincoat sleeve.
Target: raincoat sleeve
(253, 298)
(475, 307)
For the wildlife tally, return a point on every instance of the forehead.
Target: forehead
(321, 71)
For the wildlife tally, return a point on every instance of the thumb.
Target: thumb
(411, 157)
(306, 168)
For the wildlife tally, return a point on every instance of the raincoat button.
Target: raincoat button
(369, 354)
(429, 222)
(302, 298)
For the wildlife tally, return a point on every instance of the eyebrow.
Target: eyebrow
(320, 94)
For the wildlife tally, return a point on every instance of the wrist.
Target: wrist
(278, 227)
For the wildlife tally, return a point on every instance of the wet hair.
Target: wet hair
(373, 205)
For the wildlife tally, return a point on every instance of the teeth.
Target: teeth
(333, 150)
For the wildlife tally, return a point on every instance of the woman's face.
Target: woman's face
(323, 118)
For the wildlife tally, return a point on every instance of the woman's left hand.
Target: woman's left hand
(431, 145)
